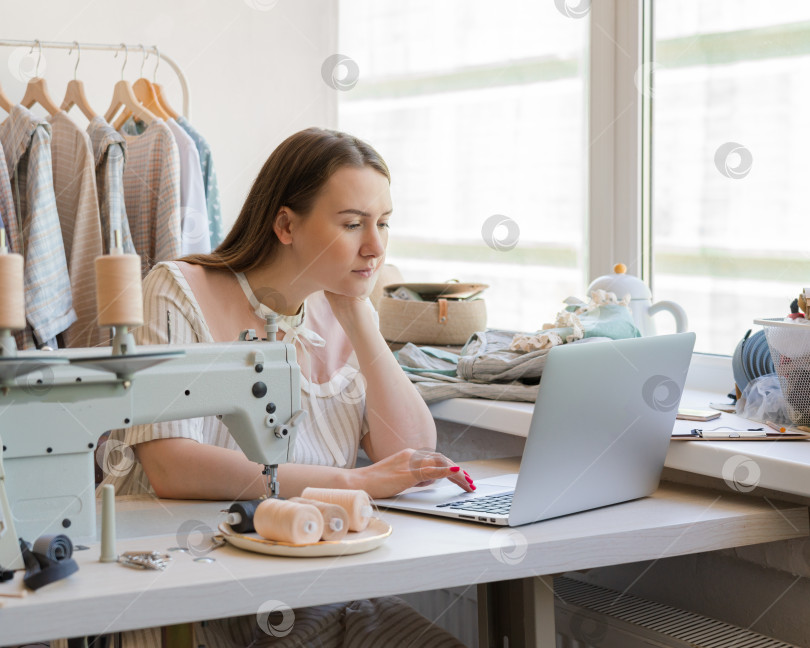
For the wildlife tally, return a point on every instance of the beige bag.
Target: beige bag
(449, 319)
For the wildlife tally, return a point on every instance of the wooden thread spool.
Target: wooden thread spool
(119, 297)
(356, 503)
(12, 293)
(335, 518)
(285, 521)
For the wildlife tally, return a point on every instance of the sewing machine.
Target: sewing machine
(55, 405)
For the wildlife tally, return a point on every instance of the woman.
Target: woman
(308, 244)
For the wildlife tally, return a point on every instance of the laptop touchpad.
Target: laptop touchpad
(505, 481)
(445, 491)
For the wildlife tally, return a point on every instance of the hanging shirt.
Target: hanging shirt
(196, 235)
(209, 182)
(335, 402)
(7, 213)
(49, 310)
(152, 194)
(74, 183)
(109, 149)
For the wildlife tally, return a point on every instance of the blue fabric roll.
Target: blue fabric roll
(752, 359)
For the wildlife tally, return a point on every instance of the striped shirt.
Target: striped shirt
(152, 194)
(109, 149)
(74, 184)
(329, 436)
(49, 310)
(339, 406)
(209, 176)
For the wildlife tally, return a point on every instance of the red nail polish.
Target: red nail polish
(469, 480)
(471, 486)
(454, 469)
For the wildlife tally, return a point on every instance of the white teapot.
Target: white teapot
(641, 305)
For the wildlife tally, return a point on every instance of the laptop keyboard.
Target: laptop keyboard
(497, 504)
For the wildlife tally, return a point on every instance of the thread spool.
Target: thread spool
(119, 297)
(285, 521)
(12, 295)
(240, 515)
(108, 552)
(335, 518)
(355, 502)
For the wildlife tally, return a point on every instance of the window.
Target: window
(480, 110)
(730, 131)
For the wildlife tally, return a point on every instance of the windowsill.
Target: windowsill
(783, 466)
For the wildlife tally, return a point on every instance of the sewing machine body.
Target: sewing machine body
(51, 419)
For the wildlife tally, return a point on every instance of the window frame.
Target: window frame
(619, 189)
(619, 184)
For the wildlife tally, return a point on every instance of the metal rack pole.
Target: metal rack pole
(112, 48)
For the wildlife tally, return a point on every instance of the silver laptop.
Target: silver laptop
(599, 435)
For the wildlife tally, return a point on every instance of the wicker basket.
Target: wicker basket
(442, 322)
(789, 343)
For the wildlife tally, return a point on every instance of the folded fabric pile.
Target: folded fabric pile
(507, 365)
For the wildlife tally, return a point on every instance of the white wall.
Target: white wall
(253, 67)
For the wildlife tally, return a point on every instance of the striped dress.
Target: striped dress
(330, 435)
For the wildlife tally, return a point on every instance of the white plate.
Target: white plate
(354, 542)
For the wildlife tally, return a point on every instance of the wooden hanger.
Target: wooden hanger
(159, 89)
(5, 102)
(37, 90)
(146, 95)
(162, 101)
(74, 95)
(124, 97)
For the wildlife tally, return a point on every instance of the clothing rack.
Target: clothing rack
(111, 47)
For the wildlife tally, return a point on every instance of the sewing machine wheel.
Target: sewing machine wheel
(14, 367)
(126, 366)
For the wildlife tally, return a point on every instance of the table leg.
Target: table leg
(517, 613)
(178, 636)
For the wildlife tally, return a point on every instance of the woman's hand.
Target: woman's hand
(407, 468)
(345, 307)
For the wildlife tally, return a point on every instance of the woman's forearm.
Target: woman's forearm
(185, 469)
(397, 415)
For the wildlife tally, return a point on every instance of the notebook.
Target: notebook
(599, 435)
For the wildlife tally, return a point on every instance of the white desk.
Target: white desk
(422, 553)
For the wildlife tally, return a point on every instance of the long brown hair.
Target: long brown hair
(292, 177)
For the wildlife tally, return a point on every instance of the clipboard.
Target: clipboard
(741, 435)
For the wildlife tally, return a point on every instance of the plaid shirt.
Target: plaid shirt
(209, 180)
(74, 183)
(7, 214)
(110, 149)
(152, 194)
(48, 301)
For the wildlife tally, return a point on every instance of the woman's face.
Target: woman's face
(341, 244)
